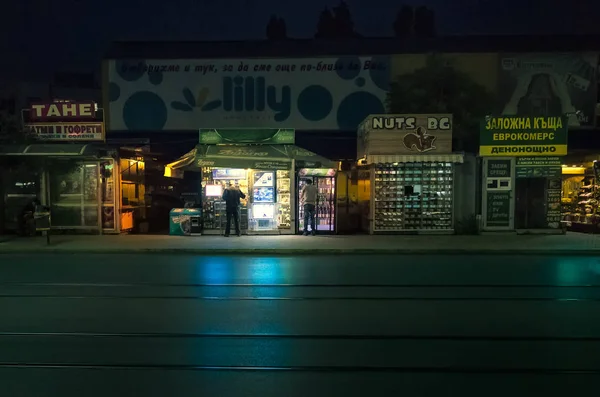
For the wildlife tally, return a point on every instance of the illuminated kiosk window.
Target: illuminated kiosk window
(266, 207)
(413, 196)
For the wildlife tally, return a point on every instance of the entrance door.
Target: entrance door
(530, 203)
(325, 208)
(498, 194)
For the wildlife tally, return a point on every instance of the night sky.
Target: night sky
(72, 35)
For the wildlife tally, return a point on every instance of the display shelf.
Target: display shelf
(284, 214)
(413, 196)
(582, 208)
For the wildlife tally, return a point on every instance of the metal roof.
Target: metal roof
(50, 149)
(360, 46)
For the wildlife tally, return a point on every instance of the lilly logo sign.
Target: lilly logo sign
(306, 93)
(240, 94)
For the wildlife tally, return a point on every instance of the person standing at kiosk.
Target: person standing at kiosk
(232, 196)
(308, 198)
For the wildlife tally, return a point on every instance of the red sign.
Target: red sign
(62, 111)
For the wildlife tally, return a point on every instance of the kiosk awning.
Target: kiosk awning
(307, 159)
(51, 150)
(233, 156)
(416, 158)
(264, 157)
(185, 161)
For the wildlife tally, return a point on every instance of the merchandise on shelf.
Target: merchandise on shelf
(581, 205)
(413, 196)
(284, 216)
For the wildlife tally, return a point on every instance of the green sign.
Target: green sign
(538, 167)
(260, 157)
(498, 169)
(523, 136)
(281, 136)
(498, 209)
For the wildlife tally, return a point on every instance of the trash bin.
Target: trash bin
(185, 221)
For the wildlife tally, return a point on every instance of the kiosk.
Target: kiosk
(264, 165)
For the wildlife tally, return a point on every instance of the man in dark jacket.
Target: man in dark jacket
(232, 196)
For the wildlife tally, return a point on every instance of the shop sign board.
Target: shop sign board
(74, 131)
(548, 84)
(277, 136)
(538, 167)
(406, 134)
(264, 164)
(498, 208)
(523, 136)
(498, 168)
(62, 110)
(301, 93)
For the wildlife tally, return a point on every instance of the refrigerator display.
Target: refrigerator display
(325, 208)
(284, 216)
(413, 196)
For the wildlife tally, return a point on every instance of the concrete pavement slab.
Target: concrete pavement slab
(571, 244)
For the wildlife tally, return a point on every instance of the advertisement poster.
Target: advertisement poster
(300, 93)
(498, 168)
(549, 85)
(553, 202)
(538, 167)
(516, 136)
(498, 209)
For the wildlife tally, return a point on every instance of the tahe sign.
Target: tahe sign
(63, 111)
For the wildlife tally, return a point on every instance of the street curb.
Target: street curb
(303, 252)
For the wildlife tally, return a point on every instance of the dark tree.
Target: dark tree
(336, 24)
(325, 26)
(276, 28)
(344, 26)
(405, 21)
(424, 22)
(282, 28)
(440, 88)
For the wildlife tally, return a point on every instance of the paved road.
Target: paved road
(82, 325)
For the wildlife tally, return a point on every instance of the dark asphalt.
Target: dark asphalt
(152, 325)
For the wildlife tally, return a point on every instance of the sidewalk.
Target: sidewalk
(570, 244)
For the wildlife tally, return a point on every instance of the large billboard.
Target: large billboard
(299, 93)
(549, 84)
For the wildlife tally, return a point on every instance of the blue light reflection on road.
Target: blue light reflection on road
(217, 270)
(223, 273)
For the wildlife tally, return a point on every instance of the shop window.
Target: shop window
(132, 177)
(19, 190)
(74, 197)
